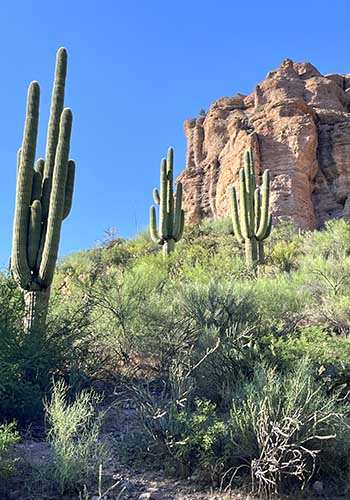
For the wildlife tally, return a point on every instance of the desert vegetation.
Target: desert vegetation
(237, 378)
(223, 359)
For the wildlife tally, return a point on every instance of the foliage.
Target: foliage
(8, 437)
(185, 339)
(284, 255)
(74, 435)
(282, 425)
(28, 363)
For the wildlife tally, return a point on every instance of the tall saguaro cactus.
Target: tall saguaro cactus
(252, 224)
(171, 215)
(43, 199)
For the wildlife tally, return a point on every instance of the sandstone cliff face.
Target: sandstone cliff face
(298, 123)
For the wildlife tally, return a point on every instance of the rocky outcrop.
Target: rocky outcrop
(298, 123)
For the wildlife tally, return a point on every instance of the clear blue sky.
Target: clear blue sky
(136, 71)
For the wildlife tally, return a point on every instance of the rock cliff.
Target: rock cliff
(298, 123)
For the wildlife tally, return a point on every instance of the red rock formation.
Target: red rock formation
(298, 124)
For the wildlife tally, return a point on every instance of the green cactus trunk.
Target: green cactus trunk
(168, 248)
(171, 215)
(35, 310)
(252, 224)
(251, 251)
(43, 199)
(261, 252)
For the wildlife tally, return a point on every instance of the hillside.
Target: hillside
(209, 370)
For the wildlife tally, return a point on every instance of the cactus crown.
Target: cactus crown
(253, 222)
(44, 191)
(171, 215)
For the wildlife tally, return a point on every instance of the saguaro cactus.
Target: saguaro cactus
(252, 225)
(171, 215)
(43, 199)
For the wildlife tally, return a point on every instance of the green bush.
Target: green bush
(284, 425)
(198, 439)
(332, 241)
(74, 435)
(28, 363)
(8, 437)
(284, 255)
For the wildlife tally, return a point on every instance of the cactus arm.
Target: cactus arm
(251, 170)
(178, 210)
(235, 218)
(244, 201)
(268, 229)
(257, 209)
(181, 227)
(19, 261)
(18, 158)
(39, 167)
(265, 200)
(246, 169)
(36, 186)
(252, 187)
(50, 251)
(153, 225)
(156, 196)
(170, 192)
(57, 103)
(41, 242)
(34, 231)
(249, 190)
(163, 215)
(68, 196)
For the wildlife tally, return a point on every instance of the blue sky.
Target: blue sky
(136, 71)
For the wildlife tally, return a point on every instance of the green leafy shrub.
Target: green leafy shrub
(8, 437)
(74, 435)
(332, 241)
(28, 363)
(228, 327)
(284, 255)
(199, 439)
(283, 425)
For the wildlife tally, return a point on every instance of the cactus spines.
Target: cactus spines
(171, 214)
(43, 199)
(252, 224)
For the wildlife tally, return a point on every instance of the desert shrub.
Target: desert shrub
(327, 281)
(332, 241)
(130, 312)
(283, 425)
(224, 350)
(183, 435)
(284, 255)
(19, 396)
(328, 354)
(327, 277)
(74, 435)
(200, 438)
(283, 428)
(283, 230)
(279, 301)
(27, 363)
(216, 227)
(8, 437)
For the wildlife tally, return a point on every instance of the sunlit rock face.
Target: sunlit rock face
(298, 123)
